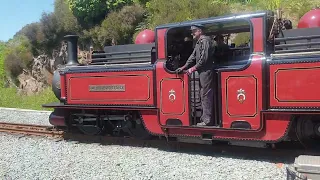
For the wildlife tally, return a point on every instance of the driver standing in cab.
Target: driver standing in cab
(221, 51)
(202, 57)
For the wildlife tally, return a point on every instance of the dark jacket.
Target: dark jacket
(202, 55)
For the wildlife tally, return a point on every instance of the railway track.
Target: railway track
(29, 129)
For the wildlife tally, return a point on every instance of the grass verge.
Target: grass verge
(10, 99)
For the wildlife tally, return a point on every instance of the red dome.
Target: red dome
(310, 19)
(145, 37)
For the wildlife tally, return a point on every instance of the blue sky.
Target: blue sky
(14, 14)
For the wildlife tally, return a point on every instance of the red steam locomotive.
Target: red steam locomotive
(265, 90)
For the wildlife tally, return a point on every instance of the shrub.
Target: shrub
(2, 70)
(120, 26)
(17, 56)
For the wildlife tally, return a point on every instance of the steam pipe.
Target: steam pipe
(72, 59)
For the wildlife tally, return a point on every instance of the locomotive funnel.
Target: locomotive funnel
(72, 59)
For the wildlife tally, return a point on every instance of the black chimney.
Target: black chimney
(72, 58)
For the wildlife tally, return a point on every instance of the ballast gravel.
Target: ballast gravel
(30, 157)
(23, 116)
(42, 158)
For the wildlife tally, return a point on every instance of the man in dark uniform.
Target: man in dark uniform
(202, 57)
(221, 50)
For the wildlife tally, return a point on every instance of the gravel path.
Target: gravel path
(23, 157)
(42, 158)
(24, 116)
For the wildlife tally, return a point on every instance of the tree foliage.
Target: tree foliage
(34, 33)
(292, 9)
(2, 70)
(119, 26)
(92, 12)
(163, 11)
(67, 22)
(18, 56)
(51, 33)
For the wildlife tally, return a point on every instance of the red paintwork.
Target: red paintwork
(295, 85)
(250, 80)
(135, 94)
(167, 100)
(274, 129)
(310, 20)
(151, 121)
(258, 39)
(161, 43)
(145, 37)
(179, 107)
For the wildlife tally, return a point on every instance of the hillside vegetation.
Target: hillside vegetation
(100, 23)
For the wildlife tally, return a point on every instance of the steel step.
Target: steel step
(305, 167)
(307, 164)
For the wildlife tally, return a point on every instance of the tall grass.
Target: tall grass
(9, 98)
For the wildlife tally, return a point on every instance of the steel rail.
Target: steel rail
(29, 129)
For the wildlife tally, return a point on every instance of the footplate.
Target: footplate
(305, 167)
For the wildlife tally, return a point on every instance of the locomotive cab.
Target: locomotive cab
(179, 46)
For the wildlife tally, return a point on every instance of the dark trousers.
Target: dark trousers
(206, 95)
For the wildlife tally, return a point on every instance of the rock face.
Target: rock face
(59, 57)
(42, 65)
(84, 57)
(40, 75)
(29, 85)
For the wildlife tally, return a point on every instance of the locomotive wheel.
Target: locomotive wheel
(90, 130)
(308, 131)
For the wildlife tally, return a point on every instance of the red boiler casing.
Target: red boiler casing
(310, 20)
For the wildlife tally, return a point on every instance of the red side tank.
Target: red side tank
(310, 19)
(145, 37)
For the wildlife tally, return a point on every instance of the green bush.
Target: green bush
(2, 70)
(17, 56)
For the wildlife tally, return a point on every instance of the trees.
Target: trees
(119, 26)
(92, 12)
(34, 33)
(67, 22)
(163, 11)
(17, 56)
(2, 70)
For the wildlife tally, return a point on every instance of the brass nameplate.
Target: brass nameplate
(107, 88)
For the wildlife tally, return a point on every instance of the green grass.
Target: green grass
(9, 98)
